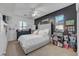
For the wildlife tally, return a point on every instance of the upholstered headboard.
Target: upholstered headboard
(44, 26)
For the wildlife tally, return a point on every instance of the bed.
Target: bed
(34, 41)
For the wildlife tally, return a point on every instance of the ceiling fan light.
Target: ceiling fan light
(34, 14)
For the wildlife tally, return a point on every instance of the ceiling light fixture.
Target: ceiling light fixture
(35, 13)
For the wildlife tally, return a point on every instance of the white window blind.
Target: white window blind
(22, 25)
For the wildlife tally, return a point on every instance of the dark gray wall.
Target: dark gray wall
(68, 12)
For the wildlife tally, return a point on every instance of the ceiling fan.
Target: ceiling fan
(34, 11)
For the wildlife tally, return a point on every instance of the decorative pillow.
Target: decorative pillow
(35, 32)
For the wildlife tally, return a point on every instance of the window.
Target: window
(22, 25)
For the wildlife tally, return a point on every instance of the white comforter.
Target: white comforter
(32, 42)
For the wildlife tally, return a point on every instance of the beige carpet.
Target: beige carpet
(14, 49)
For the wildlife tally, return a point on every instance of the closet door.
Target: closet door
(3, 38)
(11, 34)
(11, 31)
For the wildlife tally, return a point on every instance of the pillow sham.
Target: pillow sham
(44, 32)
(35, 32)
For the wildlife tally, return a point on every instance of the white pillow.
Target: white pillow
(41, 32)
(44, 32)
(35, 32)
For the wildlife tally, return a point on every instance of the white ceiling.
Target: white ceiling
(27, 9)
